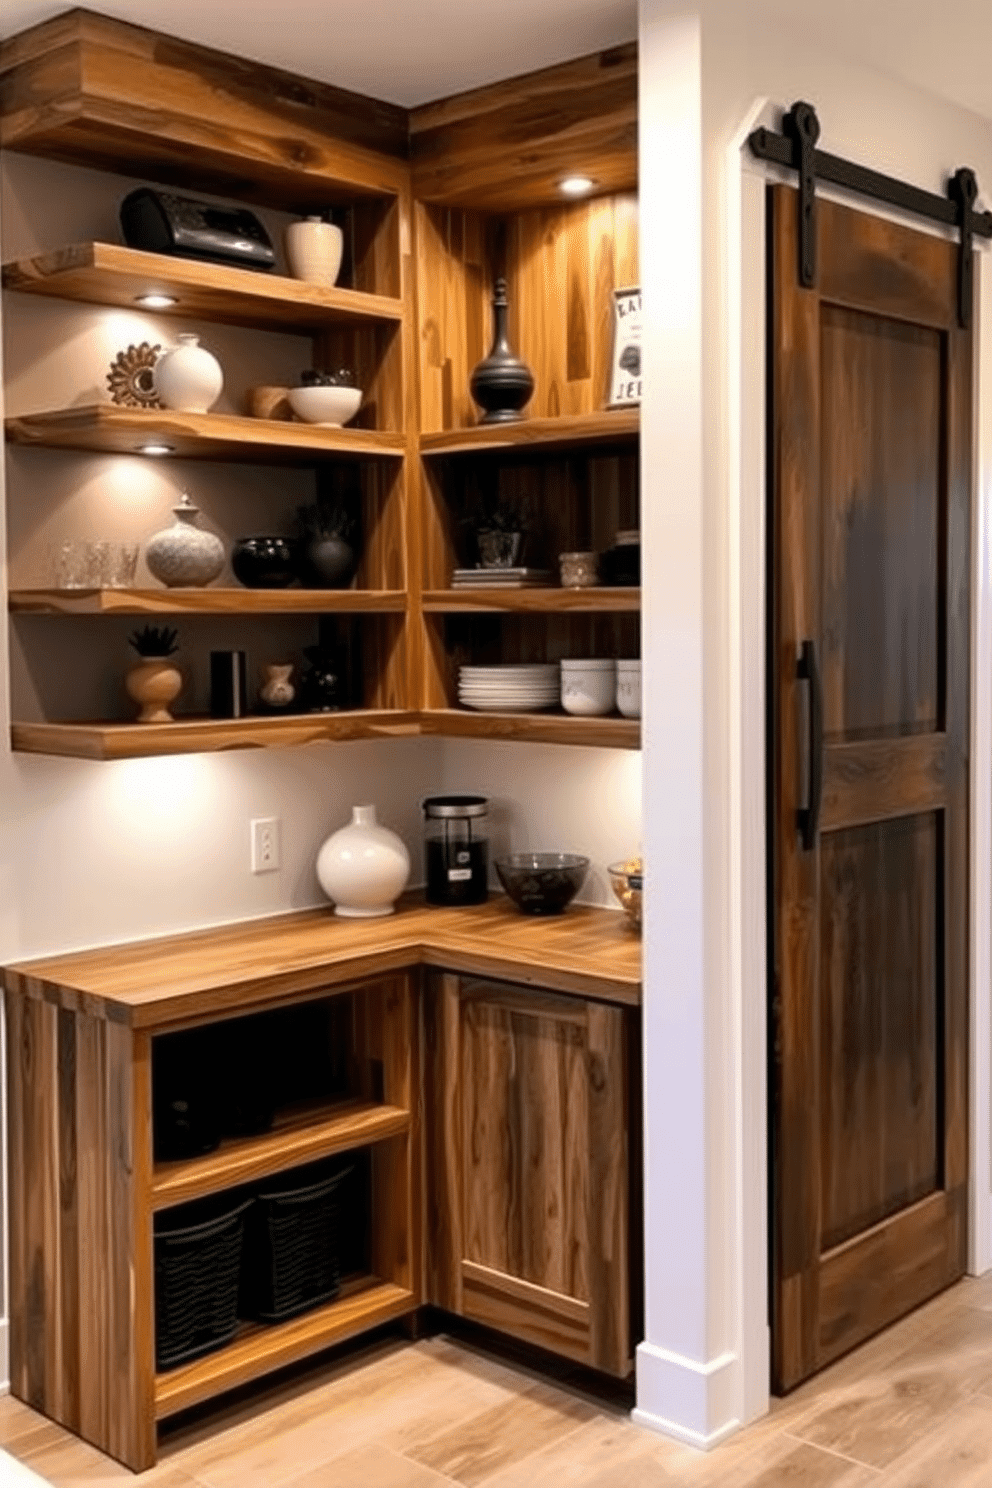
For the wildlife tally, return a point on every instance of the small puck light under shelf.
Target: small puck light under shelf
(155, 301)
(156, 450)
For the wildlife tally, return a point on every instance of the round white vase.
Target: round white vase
(183, 554)
(188, 378)
(313, 251)
(363, 867)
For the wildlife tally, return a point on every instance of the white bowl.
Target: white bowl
(588, 690)
(629, 688)
(329, 406)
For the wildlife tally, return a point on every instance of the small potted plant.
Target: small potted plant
(500, 524)
(155, 682)
(327, 556)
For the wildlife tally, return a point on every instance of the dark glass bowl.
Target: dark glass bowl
(264, 562)
(542, 883)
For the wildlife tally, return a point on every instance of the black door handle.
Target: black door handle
(808, 816)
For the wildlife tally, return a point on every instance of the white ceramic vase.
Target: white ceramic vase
(363, 867)
(313, 251)
(183, 555)
(188, 378)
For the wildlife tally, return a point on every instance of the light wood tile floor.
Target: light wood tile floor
(912, 1409)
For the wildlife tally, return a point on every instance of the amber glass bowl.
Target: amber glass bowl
(627, 879)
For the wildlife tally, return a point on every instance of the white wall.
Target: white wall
(705, 71)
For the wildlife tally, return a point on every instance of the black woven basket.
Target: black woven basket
(292, 1260)
(197, 1269)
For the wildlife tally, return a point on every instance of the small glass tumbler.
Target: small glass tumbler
(71, 565)
(122, 564)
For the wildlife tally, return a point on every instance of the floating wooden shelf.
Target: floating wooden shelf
(295, 1140)
(106, 428)
(205, 601)
(535, 728)
(112, 741)
(260, 1347)
(545, 601)
(106, 274)
(582, 430)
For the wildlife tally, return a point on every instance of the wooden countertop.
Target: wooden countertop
(161, 983)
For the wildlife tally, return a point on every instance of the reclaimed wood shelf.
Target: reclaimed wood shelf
(114, 741)
(606, 428)
(205, 601)
(106, 428)
(107, 274)
(295, 1139)
(536, 728)
(543, 601)
(262, 1347)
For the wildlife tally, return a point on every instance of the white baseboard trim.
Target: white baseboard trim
(680, 1397)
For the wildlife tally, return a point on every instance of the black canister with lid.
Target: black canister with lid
(457, 849)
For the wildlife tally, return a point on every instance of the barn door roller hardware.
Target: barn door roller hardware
(796, 148)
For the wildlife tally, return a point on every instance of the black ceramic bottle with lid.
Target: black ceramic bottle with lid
(457, 849)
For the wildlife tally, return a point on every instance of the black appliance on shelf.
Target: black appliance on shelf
(166, 222)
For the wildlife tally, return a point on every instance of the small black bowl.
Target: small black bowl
(542, 883)
(265, 562)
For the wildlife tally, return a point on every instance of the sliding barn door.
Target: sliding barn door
(869, 686)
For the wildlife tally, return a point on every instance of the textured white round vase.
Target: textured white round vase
(184, 554)
(363, 867)
(188, 378)
(313, 251)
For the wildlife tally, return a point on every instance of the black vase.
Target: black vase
(327, 563)
(502, 383)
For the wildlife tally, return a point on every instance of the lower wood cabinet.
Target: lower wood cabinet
(528, 1131)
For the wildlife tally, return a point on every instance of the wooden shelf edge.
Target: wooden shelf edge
(107, 428)
(361, 1124)
(109, 274)
(544, 601)
(219, 601)
(114, 741)
(265, 1348)
(536, 728)
(606, 427)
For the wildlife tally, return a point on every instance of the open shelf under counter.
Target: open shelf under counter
(296, 1138)
(608, 428)
(115, 741)
(105, 428)
(107, 274)
(536, 728)
(531, 600)
(261, 1347)
(206, 601)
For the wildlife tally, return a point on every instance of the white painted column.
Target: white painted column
(688, 1384)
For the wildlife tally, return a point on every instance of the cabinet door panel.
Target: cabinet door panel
(527, 1130)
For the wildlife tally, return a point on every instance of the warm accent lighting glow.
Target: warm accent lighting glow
(576, 185)
(156, 301)
(156, 449)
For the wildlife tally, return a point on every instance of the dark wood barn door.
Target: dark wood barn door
(869, 691)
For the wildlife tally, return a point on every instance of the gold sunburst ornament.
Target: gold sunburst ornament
(131, 377)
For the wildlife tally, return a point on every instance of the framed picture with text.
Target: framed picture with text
(625, 377)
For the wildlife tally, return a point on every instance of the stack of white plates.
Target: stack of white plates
(510, 689)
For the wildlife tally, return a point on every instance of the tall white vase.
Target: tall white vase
(188, 378)
(363, 867)
(313, 251)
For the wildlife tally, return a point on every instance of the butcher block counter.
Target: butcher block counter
(491, 1091)
(153, 984)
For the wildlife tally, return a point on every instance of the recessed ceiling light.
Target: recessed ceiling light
(156, 449)
(156, 301)
(576, 185)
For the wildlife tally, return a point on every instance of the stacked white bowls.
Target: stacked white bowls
(589, 687)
